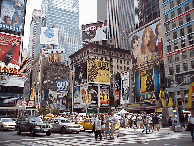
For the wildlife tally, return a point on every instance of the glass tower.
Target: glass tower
(63, 14)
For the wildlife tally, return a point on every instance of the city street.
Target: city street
(127, 137)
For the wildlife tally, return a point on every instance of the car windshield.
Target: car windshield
(35, 119)
(7, 120)
(65, 121)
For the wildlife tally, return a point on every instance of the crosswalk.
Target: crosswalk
(126, 136)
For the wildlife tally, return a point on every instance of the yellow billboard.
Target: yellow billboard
(99, 71)
(190, 96)
(32, 94)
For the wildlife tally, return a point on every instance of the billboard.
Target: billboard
(99, 71)
(12, 15)
(147, 84)
(104, 95)
(94, 32)
(9, 52)
(56, 56)
(49, 36)
(81, 73)
(83, 91)
(125, 87)
(147, 43)
(6, 80)
(93, 94)
(62, 85)
(77, 95)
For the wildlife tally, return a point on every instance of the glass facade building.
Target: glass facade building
(63, 14)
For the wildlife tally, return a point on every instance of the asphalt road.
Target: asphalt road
(126, 137)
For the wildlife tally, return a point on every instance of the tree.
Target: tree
(55, 111)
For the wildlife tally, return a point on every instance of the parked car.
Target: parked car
(33, 125)
(64, 125)
(7, 124)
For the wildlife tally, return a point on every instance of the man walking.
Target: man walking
(113, 123)
(98, 128)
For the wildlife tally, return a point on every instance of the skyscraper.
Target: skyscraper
(101, 10)
(63, 14)
(124, 16)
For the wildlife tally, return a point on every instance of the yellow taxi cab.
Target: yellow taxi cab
(86, 123)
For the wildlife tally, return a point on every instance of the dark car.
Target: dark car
(33, 125)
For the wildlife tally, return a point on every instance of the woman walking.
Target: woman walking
(106, 121)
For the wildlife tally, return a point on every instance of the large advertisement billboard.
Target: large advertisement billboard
(62, 85)
(49, 35)
(9, 52)
(147, 43)
(94, 32)
(125, 87)
(104, 95)
(147, 84)
(12, 15)
(81, 73)
(99, 71)
(93, 94)
(56, 56)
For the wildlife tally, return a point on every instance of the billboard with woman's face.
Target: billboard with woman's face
(147, 43)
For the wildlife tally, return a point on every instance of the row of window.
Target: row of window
(178, 67)
(184, 56)
(122, 68)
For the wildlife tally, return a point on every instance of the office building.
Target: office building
(178, 17)
(101, 10)
(64, 15)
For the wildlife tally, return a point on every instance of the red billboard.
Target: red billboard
(9, 51)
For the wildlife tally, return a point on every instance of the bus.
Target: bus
(30, 111)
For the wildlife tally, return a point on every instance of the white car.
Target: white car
(63, 125)
(7, 124)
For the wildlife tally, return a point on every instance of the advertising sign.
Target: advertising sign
(99, 71)
(93, 94)
(6, 80)
(12, 15)
(81, 73)
(77, 95)
(190, 96)
(55, 56)
(147, 84)
(32, 95)
(147, 43)
(104, 95)
(83, 91)
(9, 51)
(94, 32)
(125, 88)
(62, 85)
(49, 36)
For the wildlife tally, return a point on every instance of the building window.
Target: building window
(180, 21)
(120, 67)
(189, 28)
(171, 71)
(182, 43)
(171, 5)
(179, 11)
(184, 55)
(172, 15)
(167, 27)
(117, 67)
(187, 7)
(192, 64)
(188, 18)
(169, 48)
(186, 79)
(120, 61)
(166, 18)
(182, 32)
(190, 37)
(117, 60)
(185, 66)
(176, 57)
(192, 52)
(177, 68)
(178, 2)
(170, 59)
(174, 24)
(127, 62)
(120, 55)
(174, 35)
(175, 45)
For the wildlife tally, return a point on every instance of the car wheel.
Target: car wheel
(2, 128)
(32, 133)
(18, 131)
(63, 130)
(48, 134)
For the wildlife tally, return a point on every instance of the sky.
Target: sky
(87, 14)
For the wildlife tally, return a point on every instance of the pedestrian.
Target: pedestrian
(93, 123)
(191, 123)
(98, 129)
(107, 130)
(113, 123)
(157, 122)
(138, 121)
(145, 123)
(170, 122)
(150, 123)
